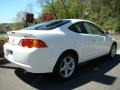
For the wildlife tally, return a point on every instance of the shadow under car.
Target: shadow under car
(92, 71)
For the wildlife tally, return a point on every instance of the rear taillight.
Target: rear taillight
(32, 43)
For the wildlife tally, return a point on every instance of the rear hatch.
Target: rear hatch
(14, 37)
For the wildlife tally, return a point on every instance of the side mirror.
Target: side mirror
(107, 33)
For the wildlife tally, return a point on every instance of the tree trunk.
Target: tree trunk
(65, 9)
(53, 9)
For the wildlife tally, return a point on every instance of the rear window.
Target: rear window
(48, 25)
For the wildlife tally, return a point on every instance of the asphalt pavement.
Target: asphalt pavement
(100, 74)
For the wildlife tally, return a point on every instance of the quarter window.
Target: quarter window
(78, 28)
(92, 29)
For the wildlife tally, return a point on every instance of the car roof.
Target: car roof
(76, 20)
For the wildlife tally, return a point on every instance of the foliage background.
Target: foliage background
(105, 13)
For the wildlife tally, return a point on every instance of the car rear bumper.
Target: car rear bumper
(31, 59)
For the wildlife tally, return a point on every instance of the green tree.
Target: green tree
(104, 13)
(20, 20)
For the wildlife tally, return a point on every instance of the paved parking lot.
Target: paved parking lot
(100, 74)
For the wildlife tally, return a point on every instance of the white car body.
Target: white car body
(58, 40)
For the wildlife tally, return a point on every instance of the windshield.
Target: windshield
(48, 25)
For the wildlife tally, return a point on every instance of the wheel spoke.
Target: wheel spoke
(71, 61)
(62, 68)
(65, 61)
(70, 68)
(66, 73)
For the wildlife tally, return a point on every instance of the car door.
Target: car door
(99, 39)
(84, 45)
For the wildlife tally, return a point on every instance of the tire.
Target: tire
(66, 66)
(113, 50)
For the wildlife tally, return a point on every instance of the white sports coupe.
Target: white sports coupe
(58, 46)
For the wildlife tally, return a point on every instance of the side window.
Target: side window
(78, 28)
(92, 29)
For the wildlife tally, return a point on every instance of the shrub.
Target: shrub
(2, 41)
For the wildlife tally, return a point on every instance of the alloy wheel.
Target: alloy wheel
(67, 67)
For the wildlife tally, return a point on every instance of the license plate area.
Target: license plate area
(14, 40)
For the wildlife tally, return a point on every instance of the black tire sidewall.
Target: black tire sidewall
(57, 66)
(111, 50)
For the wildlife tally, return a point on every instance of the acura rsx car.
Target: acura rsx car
(58, 46)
